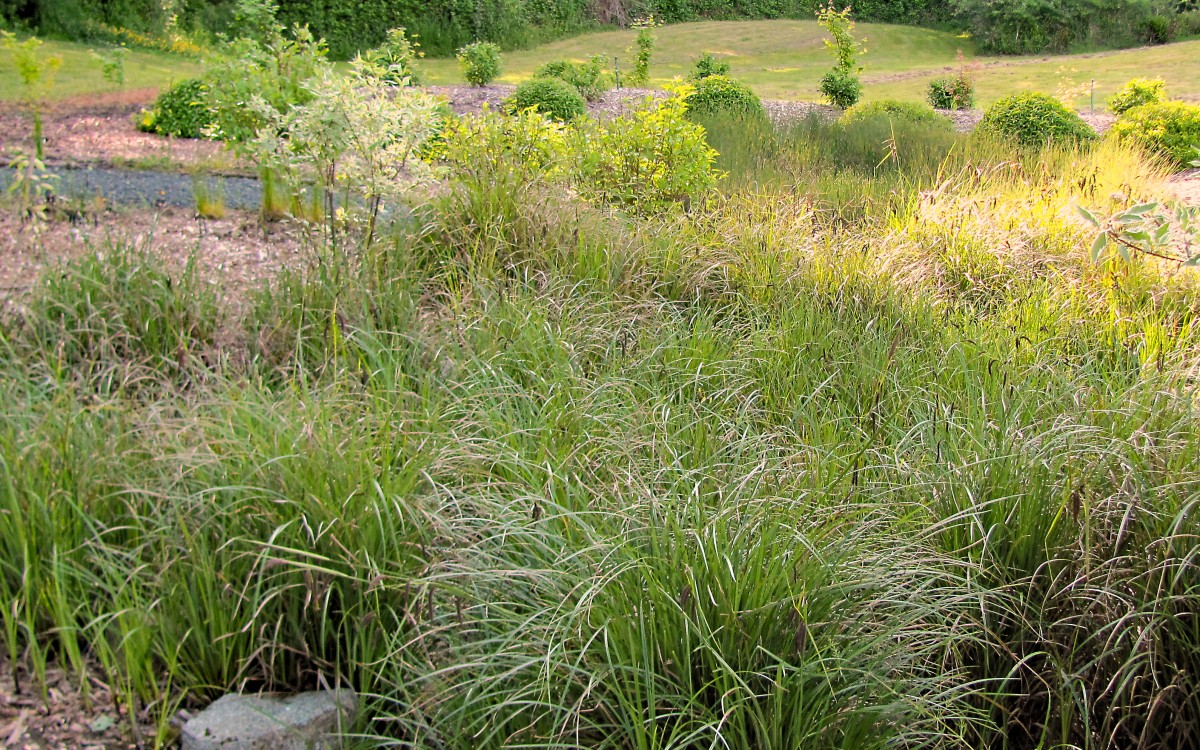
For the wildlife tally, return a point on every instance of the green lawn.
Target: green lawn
(81, 73)
(785, 59)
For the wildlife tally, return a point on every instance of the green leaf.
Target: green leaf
(1088, 215)
(1142, 208)
(1098, 246)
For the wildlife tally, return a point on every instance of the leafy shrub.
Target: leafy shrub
(918, 114)
(1157, 29)
(841, 85)
(1033, 119)
(395, 59)
(1137, 92)
(276, 71)
(644, 44)
(181, 111)
(952, 92)
(550, 96)
(720, 95)
(649, 161)
(706, 66)
(480, 62)
(1171, 129)
(842, 88)
(591, 79)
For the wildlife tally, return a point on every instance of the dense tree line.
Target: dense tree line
(1009, 26)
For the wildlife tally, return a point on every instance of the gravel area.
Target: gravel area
(149, 188)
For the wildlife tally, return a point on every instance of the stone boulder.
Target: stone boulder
(306, 721)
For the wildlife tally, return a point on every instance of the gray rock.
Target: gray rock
(307, 721)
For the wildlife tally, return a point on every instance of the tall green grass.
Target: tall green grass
(811, 466)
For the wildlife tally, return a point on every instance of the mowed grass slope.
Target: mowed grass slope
(82, 74)
(785, 60)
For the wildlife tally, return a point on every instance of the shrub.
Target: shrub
(1033, 119)
(841, 85)
(952, 92)
(644, 50)
(1137, 92)
(550, 96)
(394, 60)
(480, 62)
(276, 71)
(1171, 129)
(918, 114)
(706, 66)
(591, 79)
(181, 111)
(720, 95)
(841, 88)
(649, 161)
(1156, 29)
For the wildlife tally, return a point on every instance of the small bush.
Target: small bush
(1171, 129)
(952, 92)
(646, 162)
(550, 96)
(1156, 29)
(720, 95)
(918, 114)
(181, 111)
(480, 62)
(1034, 119)
(395, 59)
(1137, 92)
(842, 88)
(591, 79)
(706, 66)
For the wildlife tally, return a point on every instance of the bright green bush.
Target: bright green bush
(841, 88)
(1137, 92)
(918, 114)
(1171, 129)
(717, 94)
(550, 96)
(952, 92)
(181, 111)
(591, 79)
(1034, 119)
(707, 65)
(646, 162)
(480, 62)
(395, 59)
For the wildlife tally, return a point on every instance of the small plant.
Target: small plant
(37, 78)
(841, 85)
(951, 92)
(591, 79)
(181, 111)
(1035, 119)
(918, 114)
(1137, 92)
(715, 95)
(707, 65)
(112, 65)
(550, 96)
(394, 61)
(1068, 91)
(652, 160)
(480, 62)
(644, 44)
(1157, 29)
(1170, 129)
(210, 197)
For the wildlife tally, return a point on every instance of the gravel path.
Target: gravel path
(149, 188)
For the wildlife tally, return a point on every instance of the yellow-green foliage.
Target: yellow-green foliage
(1168, 129)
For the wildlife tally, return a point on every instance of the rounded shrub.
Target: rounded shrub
(722, 95)
(707, 66)
(951, 92)
(841, 87)
(1034, 119)
(181, 111)
(550, 96)
(1137, 92)
(591, 79)
(480, 62)
(1171, 129)
(918, 114)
